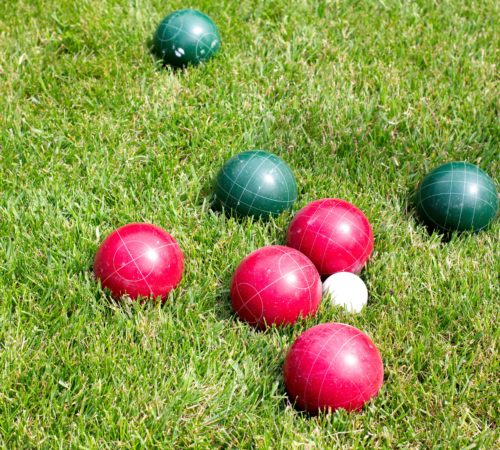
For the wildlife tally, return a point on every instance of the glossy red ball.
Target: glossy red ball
(275, 285)
(332, 366)
(334, 234)
(139, 260)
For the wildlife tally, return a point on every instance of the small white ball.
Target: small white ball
(347, 290)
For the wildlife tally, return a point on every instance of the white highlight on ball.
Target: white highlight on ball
(197, 31)
(346, 289)
(179, 52)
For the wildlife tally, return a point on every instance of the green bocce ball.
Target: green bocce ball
(457, 196)
(186, 37)
(256, 183)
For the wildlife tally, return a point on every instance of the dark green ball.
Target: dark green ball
(457, 196)
(256, 183)
(186, 37)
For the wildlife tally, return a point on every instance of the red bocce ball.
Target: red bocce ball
(139, 260)
(332, 366)
(275, 285)
(334, 234)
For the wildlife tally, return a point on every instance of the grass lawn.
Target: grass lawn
(361, 98)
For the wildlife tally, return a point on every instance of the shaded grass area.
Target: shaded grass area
(360, 98)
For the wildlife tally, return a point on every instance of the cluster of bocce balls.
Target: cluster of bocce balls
(331, 365)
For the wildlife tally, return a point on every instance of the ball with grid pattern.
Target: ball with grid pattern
(457, 196)
(186, 37)
(334, 234)
(139, 260)
(256, 183)
(332, 366)
(275, 285)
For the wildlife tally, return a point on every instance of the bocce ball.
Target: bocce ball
(139, 260)
(347, 290)
(457, 196)
(332, 366)
(186, 37)
(275, 285)
(334, 234)
(256, 183)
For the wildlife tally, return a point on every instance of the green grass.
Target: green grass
(360, 98)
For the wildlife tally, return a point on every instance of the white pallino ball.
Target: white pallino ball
(347, 290)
